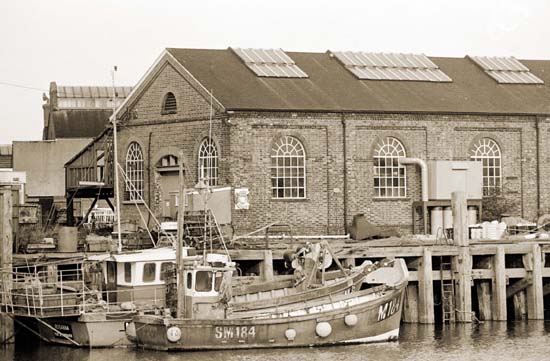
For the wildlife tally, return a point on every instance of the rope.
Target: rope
(472, 315)
(125, 336)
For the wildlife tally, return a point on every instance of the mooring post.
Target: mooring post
(535, 296)
(464, 262)
(266, 266)
(425, 289)
(483, 289)
(410, 306)
(499, 286)
(6, 250)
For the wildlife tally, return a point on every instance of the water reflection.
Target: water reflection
(488, 341)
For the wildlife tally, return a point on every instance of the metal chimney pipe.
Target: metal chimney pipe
(424, 173)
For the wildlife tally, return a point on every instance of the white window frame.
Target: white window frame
(208, 162)
(288, 169)
(488, 152)
(134, 173)
(387, 171)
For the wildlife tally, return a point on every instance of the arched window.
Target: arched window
(134, 173)
(169, 105)
(487, 151)
(208, 162)
(390, 178)
(288, 168)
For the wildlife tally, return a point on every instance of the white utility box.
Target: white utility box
(446, 177)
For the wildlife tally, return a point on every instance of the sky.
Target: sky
(78, 42)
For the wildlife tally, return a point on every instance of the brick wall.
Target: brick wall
(252, 136)
(160, 135)
(244, 141)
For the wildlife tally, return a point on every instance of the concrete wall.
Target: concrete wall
(44, 161)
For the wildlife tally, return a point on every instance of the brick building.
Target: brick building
(314, 137)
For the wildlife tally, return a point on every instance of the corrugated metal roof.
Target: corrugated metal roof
(6, 156)
(6, 161)
(331, 87)
(64, 91)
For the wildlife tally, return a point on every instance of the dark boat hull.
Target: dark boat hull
(375, 321)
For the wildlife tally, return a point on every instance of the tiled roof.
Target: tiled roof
(76, 123)
(330, 87)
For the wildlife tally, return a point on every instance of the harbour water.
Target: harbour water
(488, 341)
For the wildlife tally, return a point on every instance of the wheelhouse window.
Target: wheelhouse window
(203, 281)
(134, 173)
(288, 169)
(390, 178)
(169, 105)
(208, 162)
(149, 271)
(488, 152)
(166, 269)
(128, 272)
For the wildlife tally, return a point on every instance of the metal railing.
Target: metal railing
(70, 293)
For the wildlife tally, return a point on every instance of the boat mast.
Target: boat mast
(179, 243)
(115, 160)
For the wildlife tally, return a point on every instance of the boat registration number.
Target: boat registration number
(388, 309)
(225, 332)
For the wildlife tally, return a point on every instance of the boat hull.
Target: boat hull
(375, 321)
(85, 332)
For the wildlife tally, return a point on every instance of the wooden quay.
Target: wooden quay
(454, 281)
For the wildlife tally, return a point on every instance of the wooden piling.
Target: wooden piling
(483, 289)
(520, 309)
(410, 307)
(463, 261)
(266, 266)
(499, 286)
(348, 262)
(6, 250)
(425, 289)
(535, 296)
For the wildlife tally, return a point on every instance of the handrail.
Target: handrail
(65, 292)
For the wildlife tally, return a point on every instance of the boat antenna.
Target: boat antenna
(115, 160)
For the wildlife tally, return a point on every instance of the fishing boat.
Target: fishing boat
(88, 302)
(92, 302)
(206, 321)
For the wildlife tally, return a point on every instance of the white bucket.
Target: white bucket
(448, 218)
(472, 215)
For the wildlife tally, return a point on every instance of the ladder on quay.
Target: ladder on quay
(447, 290)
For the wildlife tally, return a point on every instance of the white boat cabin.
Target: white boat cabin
(137, 277)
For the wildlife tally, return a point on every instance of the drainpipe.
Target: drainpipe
(424, 172)
(345, 190)
(149, 177)
(537, 128)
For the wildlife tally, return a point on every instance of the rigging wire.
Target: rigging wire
(22, 86)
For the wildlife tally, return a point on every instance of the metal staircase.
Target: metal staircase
(447, 291)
